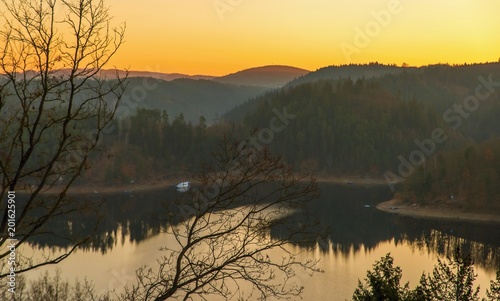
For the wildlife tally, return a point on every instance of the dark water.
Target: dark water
(351, 224)
(355, 234)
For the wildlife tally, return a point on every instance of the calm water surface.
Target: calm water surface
(358, 235)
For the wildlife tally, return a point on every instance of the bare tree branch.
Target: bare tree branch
(223, 236)
(54, 106)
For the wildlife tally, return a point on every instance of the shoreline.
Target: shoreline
(351, 180)
(393, 206)
(399, 207)
(157, 184)
(109, 189)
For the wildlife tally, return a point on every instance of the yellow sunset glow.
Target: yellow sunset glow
(217, 37)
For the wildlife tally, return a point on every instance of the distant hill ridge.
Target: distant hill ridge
(276, 76)
(158, 75)
(440, 86)
(352, 71)
(266, 76)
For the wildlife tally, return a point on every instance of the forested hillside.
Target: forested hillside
(468, 176)
(338, 127)
(353, 72)
(344, 126)
(443, 86)
(366, 127)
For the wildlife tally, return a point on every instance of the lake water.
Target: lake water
(358, 235)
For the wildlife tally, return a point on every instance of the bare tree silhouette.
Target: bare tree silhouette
(54, 109)
(222, 236)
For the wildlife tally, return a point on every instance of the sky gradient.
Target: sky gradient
(217, 37)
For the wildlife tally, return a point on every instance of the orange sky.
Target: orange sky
(193, 37)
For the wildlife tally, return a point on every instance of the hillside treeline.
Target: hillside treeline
(365, 127)
(334, 127)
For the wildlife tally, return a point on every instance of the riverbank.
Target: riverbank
(111, 189)
(158, 184)
(351, 180)
(445, 211)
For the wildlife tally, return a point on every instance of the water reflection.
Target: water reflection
(346, 213)
(127, 216)
(352, 222)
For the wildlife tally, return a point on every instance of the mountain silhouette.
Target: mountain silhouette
(272, 76)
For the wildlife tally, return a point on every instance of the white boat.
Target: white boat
(183, 189)
(183, 185)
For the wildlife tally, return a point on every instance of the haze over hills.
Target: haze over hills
(191, 97)
(272, 76)
(158, 75)
(439, 86)
(112, 73)
(267, 76)
(202, 95)
(208, 96)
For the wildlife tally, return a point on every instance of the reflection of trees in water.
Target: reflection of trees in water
(126, 216)
(122, 216)
(483, 254)
(349, 226)
(442, 237)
